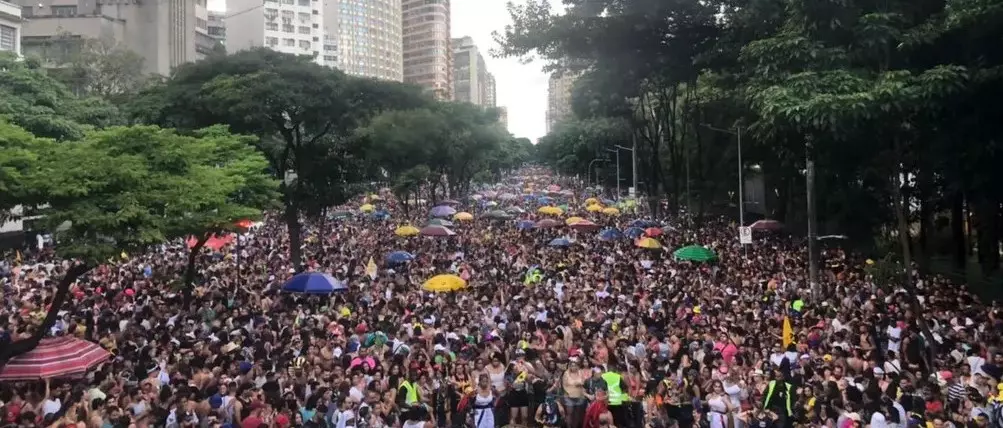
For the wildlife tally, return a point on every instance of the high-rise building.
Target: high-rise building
(428, 58)
(289, 26)
(217, 27)
(559, 98)
(363, 38)
(204, 43)
(470, 73)
(491, 98)
(503, 117)
(163, 32)
(10, 27)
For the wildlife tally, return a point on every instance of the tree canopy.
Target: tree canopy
(898, 120)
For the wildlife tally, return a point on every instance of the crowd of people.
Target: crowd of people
(598, 333)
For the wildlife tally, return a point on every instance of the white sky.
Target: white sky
(521, 88)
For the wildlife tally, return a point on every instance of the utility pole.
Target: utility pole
(741, 181)
(633, 155)
(812, 233)
(617, 151)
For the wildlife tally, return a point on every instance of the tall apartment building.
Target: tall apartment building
(204, 43)
(470, 72)
(162, 31)
(559, 99)
(491, 98)
(217, 27)
(428, 58)
(290, 26)
(364, 38)
(10, 27)
(503, 117)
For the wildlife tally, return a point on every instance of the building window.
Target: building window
(271, 41)
(288, 28)
(304, 2)
(64, 10)
(274, 26)
(304, 44)
(8, 38)
(289, 42)
(304, 30)
(27, 11)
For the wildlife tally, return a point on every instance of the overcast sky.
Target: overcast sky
(521, 88)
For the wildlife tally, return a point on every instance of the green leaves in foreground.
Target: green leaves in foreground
(126, 188)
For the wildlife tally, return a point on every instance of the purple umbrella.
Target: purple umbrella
(436, 231)
(443, 211)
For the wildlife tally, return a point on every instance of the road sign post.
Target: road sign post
(744, 235)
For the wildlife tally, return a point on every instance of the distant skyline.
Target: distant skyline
(521, 88)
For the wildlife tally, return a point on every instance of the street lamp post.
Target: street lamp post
(588, 171)
(633, 161)
(617, 171)
(741, 182)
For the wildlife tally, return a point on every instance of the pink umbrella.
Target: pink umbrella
(368, 361)
(56, 357)
(436, 231)
(547, 223)
(585, 225)
(771, 225)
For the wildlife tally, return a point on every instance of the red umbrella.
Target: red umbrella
(244, 224)
(585, 225)
(214, 242)
(56, 357)
(767, 225)
(547, 223)
(653, 231)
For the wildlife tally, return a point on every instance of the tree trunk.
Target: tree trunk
(925, 244)
(958, 237)
(295, 235)
(987, 215)
(189, 277)
(902, 223)
(62, 293)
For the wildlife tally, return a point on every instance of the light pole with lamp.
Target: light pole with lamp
(588, 171)
(737, 132)
(617, 171)
(633, 161)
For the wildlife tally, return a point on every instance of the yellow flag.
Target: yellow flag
(17, 257)
(788, 333)
(124, 256)
(371, 268)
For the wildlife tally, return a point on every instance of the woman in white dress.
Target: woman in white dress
(720, 406)
(484, 404)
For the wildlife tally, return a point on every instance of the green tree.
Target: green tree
(303, 114)
(125, 189)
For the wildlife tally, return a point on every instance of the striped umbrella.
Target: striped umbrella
(56, 357)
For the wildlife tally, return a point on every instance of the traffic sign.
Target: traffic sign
(744, 235)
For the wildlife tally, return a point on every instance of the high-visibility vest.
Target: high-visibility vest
(412, 392)
(616, 395)
(769, 394)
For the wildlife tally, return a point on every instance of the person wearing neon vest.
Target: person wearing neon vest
(407, 392)
(780, 399)
(617, 395)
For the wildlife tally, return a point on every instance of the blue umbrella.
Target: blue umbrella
(608, 202)
(314, 283)
(525, 225)
(443, 211)
(611, 235)
(560, 242)
(544, 200)
(633, 232)
(644, 224)
(381, 215)
(399, 257)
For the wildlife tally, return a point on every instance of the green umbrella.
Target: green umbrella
(341, 214)
(695, 253)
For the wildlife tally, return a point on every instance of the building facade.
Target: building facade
(559, 99)
(289, 26)
(163, 32)
(217, 27)
(204, 43)
(10, 27)
(428, 58)
(503, 117)
(470, 74)
(364, 38)
(491, 98)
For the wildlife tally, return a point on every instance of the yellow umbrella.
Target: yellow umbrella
(550, 210)
(591, 201)
(610, 211)
(649, 243)
(375, 197)
(367, 208)
(444, 284)
(573, 220)
(407, 231)
(463, 216)
(594, 208)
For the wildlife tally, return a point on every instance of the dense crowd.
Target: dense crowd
(595, 334)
